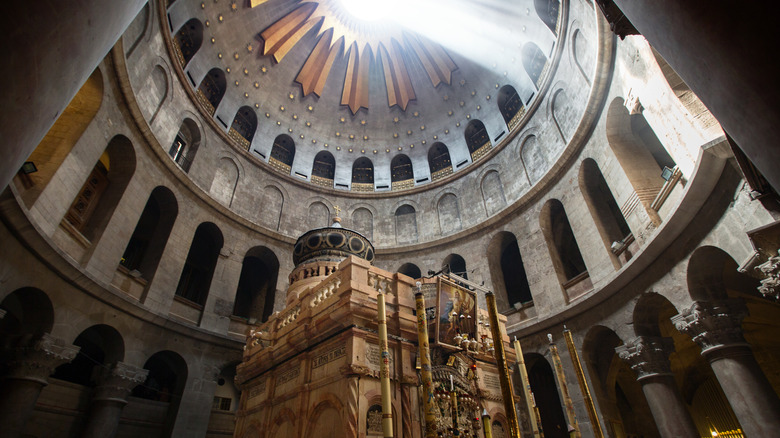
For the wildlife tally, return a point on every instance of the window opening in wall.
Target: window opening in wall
(221, 403)
(548, 12)
(517, 289)
(199, 267)
(401, 173)
(534, 62)
(363, 175)
(85, 203)
(439, 161)
(455, 264)
(477, 139)
(324, 169)
(211, 90)
(244, 126)
(511, 106)
(187, 41)
(177, 150)
(282, 154)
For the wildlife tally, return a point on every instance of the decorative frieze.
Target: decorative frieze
(713, 324)
(647, 356)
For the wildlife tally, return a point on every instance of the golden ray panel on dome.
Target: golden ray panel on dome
(363, 44)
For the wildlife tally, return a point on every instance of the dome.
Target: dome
(333, 243)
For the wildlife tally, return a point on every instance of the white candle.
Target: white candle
(452, 385)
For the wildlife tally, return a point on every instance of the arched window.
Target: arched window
(62, 136)
(508, 272)
(548, 12)
(510, 105)
(477, 139)
(606, 213)
(639, 152)
(534, 62)
(188, 40)
(165, 383)
(185, 145)
(455, 264)
(405, 224)
(211, 90)
(411, 270)
(146, 245)
(282, 154)
(324, 169)
(363, 175)
(401, 174)
(564, 251)
(101, 346)
(195, 279)
(439, 161)
(257, 285)
(244, 126)
(95, 204)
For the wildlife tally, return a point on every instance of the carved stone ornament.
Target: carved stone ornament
(648, 356)
(115, 383)
(632, 103)
(379, 283)
(38, 361)
(713, 324)
(770, 286)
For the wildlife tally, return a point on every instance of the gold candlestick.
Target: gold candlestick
(575, 358)
(564, 388)
(526, 387)
(425, 365)
(486, 425)
(503, 372)
(454, 406)
(384, 370)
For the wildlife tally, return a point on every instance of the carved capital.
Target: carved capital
(713, 324)
(2, 313)
(115, 383)
(38, 361)
(770, 285)
(648, 356)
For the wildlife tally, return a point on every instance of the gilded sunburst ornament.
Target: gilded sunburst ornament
(365, 44)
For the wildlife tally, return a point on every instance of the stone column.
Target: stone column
(109, 397)
(28, 371)
(649, 358)
(717, 327)
(49, 51)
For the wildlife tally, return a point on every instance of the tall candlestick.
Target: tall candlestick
(503, 372)
(486, 425)
(454, 405)
(564, 387)
(425, 366)
(529, 400)
(575, 358)
(384, 369)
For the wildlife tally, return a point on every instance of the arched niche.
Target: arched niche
(455, 264)
(211, 90)
(164, 385)
(146, 245)
(185, 144)
(256, 290)
(448, 213)
(100, 194)
(195, 279)
(272, 202)
(564, 251)
(548, 10)
(534, 159)
(101, 346)
(223, 186)
(492, 192)
(282, 154)
(534, 62)
(639, 152)
(507, 272)
(405, 224)
(362, 175)
(510, 105)
(410, 270)
(439, 161)
(606, 213)
(244, 126)
(477, 139)
(323, 170)
(29, 315)
(363, 222)
(401, 173)
(188, 40)
(62, 136)
(319, 215)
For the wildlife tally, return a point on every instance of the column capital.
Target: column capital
(115, 383)
(770, 285)
(648, 356)
(713, 324)
(36, 362)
